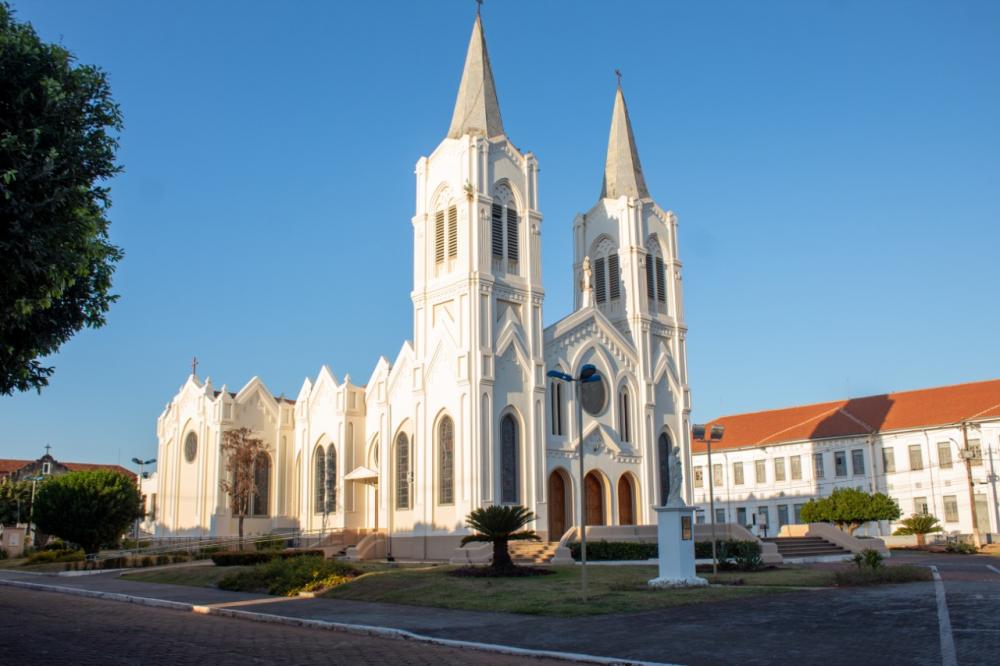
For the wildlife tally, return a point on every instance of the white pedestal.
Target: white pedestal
(675, 537)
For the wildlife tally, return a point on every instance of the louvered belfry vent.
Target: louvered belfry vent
(600, 281)
(497, 230)
(614, 277)
(512, 234)
(452, 232)
(439, 237)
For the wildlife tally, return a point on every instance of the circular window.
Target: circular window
(190, 447)
(595, 397)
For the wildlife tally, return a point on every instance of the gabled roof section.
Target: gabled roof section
(622, 171)
(905, 410)
(477, 110)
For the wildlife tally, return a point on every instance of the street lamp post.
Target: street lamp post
(31, 515)
(588, 374)
(141, 463)
(714, 435)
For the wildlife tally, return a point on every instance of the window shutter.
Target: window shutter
(650, 285)
(614, 278)
(452, 232)
(661, 287)
(512, 234)
(497, 229)
(600, 283)
(439, 237)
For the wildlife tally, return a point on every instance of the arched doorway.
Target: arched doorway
(594, 499)
(558, 515)
(626, 501)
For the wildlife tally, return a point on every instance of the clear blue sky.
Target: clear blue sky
(835, 167)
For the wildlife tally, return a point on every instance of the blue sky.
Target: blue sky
(835, 167)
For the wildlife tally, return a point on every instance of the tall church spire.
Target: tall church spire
(476, 108)
(622, 171)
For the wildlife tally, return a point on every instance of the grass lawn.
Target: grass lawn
(790, 576)
(198, 576)
(613, 589)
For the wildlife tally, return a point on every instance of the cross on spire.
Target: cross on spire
(48, 447)
(479, 6)
(194, 365)
(618, 73)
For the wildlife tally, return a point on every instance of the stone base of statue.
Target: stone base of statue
(675, 542)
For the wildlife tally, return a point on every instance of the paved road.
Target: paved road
(50, 628)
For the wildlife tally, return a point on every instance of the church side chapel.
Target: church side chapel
(465, 416)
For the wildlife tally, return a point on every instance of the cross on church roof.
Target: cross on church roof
(194, 365)
(48, 447)
(618, 73)
(479, 6)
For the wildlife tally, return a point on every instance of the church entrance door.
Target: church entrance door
(626, 513)
(557, 506)
(594, 499)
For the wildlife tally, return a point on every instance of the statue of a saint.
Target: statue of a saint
(676, 477)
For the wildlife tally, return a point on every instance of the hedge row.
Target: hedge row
(243, 558)
(743, 554)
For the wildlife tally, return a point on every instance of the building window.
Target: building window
(916, 457)
(738, 474)
(795, 462)
(858, 461)
(760, 472)
(607, 273)
(445, 235)
(720, 515)
(818, 470)
(888, 461)
(496, 228)
(779, 469)
(505, 232)
(446, 461)
(950, 508)
(717, 475)
(262, 485)
(797, 513)
(190, 447)
(699, 477)
(763, 517)
(661, 282)
(508, 460)
(976, 451)
(47, 466)
(319, 480)
(920, 506)
(331, 479)
(624, 416)
(944, 455)
(782, 515)
(403, 476)
(557, 408)
(840, 463)
(650, 280)
(741, 516)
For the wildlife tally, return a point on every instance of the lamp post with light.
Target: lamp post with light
(714, 434)
(588, 374)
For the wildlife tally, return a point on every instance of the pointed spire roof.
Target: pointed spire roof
(476, 108)
(622, 171)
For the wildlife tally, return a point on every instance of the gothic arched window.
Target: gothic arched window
(663, 463)
(445, 235)
(555, 396)
(262, 485)
(402, 471)
(508, 460)
(607, 271)
(505, 228)
(446, 461)
(319, 480)
(331, 479)
(624, 415)
(656, 274)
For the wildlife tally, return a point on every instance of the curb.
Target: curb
(356, 629)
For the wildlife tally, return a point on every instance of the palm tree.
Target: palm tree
(498, 525)
(918, 524)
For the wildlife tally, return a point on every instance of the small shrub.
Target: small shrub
(882, 575)
(289, 576)
(274, 543)
(46, 556)
(960, 548)
(868, 560)
(147, 561)
(240, 558)
(162, 559)
(746, 555)
(600, 551)
(3, 554)
(177, 558)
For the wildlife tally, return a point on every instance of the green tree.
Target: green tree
(15, 502)
(56, 149)
(919, 524)
(91, 508)
(849, 509)
(242, 452)
(499, 525)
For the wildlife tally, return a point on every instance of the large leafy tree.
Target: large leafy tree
(499, 525)
(849, 509)
(58, 126)
(15, 502)
(90, 508)
(243, 451)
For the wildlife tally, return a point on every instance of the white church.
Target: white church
(465, 416)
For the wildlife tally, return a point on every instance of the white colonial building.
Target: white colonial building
(464, 415)
(910, 445)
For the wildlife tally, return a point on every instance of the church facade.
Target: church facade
(465, 415)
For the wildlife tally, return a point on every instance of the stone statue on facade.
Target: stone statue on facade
(676, 477)
(586, 280)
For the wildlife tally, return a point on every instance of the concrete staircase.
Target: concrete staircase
(532, 553)
(806, 548)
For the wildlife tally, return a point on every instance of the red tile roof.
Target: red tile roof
(943, 405)
(8, 466)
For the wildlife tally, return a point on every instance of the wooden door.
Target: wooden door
(557, 506)
(594, 500)
(626, 514)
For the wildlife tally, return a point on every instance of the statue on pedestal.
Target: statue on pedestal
(675, 478)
